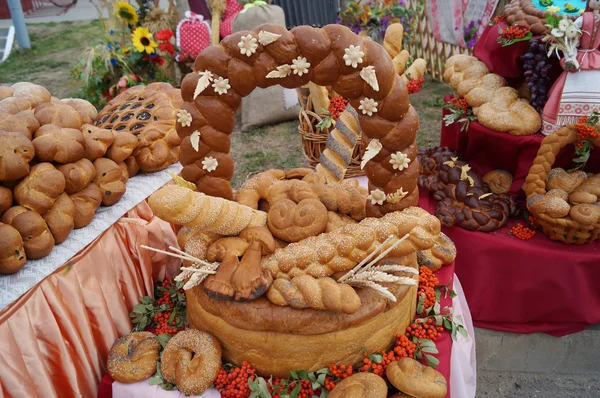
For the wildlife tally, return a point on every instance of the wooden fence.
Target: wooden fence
(425, 45)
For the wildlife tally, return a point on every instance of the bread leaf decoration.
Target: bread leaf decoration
(372, 150)
(485, 195)
(265, 38)
(464, 176)
(195, 140)
(368, 75)
(182, 182)
(204, 81)
(396, 196)
(451, 162)
(281, 72)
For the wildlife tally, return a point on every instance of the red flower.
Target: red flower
(164, 34)
(168, 47)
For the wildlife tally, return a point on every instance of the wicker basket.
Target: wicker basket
(562, 229)
(314, 140)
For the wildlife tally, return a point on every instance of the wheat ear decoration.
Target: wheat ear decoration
(364, 261)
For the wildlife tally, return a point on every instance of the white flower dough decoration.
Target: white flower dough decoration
(281, 72)
(184, 118)
(372, 150)
(368, 106)
(195, 140)
(221, 85)
(204, 81)
(210, 164)
(353, 56)
(563, 25)
(248, 45)
(377, 197)
(368, 75)
(265, 38)
(399, 161)
(300, 66)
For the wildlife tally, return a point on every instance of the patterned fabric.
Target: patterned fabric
(139, 188)
(577, 94)
(233, 9)
(193, 36)
(449, 18)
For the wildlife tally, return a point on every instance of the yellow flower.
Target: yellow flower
(142, 40)
(126, 12)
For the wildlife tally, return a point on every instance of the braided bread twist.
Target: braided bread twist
(342, 249)
(331, 56)
(473, 208)
(305, 291)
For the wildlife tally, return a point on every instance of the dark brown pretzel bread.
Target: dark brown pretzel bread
(473, 208)
(207, 117)
(431, 158)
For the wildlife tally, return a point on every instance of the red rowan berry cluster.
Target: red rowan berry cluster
(427, 283)
(280, 387)
(337, 105)
(460, 104)
(522, 232)
(515, 32)
(414, 85)
(234, 383)
(424, 330)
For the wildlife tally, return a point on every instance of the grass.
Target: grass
(55, 49)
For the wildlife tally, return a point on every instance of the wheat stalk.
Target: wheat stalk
(378, 288)
(397, 268)
(382, 277)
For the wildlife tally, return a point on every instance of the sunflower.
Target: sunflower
(126, 12)
(142, 40)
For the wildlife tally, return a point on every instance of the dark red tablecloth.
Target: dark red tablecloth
(529, 286)
(444, 343)
(503, 61)
(488, 150)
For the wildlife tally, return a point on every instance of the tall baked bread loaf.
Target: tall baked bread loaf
(268, 55)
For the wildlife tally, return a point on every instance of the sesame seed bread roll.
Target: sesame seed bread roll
(182, 206)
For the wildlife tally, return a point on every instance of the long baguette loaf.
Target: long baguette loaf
(306, 291)
(341, 142)
(343, 248)
(182, 206)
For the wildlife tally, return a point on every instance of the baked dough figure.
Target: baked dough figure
(356, 68)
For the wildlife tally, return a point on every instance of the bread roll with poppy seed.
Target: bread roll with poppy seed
(109, 180)
(37, 238)
(12, 253)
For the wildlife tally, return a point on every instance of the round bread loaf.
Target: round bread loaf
(148, 113)
(23, 122)
(40, 188)
(78, 175)
(361, 385)
(416, 380)
(277, 339)
(132, 358)
(56, 144)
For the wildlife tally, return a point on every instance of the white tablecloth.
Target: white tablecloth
(139, 188)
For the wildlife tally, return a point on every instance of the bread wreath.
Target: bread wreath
(357, 68)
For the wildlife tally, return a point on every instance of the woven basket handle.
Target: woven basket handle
(535, 183)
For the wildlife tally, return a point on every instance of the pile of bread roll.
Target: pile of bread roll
(497, 106)
(56, 169)
(575, 194)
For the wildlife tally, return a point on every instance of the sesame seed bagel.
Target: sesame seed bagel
(132, 358)
(191, 360)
